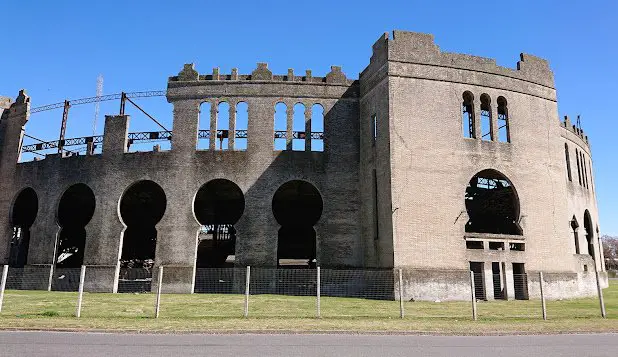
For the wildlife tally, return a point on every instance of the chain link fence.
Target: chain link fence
(291, 293)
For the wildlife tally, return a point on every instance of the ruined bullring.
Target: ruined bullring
(431, 162)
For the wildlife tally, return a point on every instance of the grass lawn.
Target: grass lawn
(224, 313)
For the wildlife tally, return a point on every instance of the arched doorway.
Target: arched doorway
(492, 204)
(75, 210)
(297, 206)
(218, 205)
(23, 214)
(589, 234)
(141, 207)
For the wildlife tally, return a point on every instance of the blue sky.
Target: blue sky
(56, 49)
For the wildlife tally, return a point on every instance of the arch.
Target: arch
(203, 137)
(467, 108)
(568, 161)
(317, 126)
(141, 207)
(487, 132)
(280, 126)
(504, 134)
(223, 126)
(23, 214)
(241, 126)
(298, 127)
(75, 210)
(217, 206)
(492, 204)
(588, 227)
(297, 206)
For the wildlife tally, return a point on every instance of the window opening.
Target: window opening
(518, 247)
(298, 127)
(520, 280)
(589, 233)
(486, 129)
(374, 128)
(568, 161)
(376, 226)
(203, 137)
(479, 279)
(467, 108)
(223, 126)
(317, 128)
(503, 121)
(474, 244)
(496, 245)
(579, 172)
(242, 125)
(574, 226)
(498, 281)
(281, 124)
(492, 204)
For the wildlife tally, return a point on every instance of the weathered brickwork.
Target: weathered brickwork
(392, 175)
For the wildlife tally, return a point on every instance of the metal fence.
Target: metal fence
(288, 293)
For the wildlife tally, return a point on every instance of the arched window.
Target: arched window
(281, 125)
(317, 128)
(503, 121)
(203, 137)
(223, 126)
(579, 169)
(467, 108)
(568, 161)
(486, 130)
(589, 233)
(492, 204)
(242, 125)
(575, 227)
(298, 128)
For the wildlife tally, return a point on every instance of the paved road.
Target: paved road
(137, 345)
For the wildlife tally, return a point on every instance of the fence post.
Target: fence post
(600, 292)
(5, 273)
(543, 306)
(401, 310)
(80, 295)
(159, 287)
(51, 277)
(474, 316)
(247, 280)
(317, 302)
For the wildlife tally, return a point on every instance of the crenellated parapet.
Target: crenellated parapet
(262, 73)
(406, 49)
(574, 131)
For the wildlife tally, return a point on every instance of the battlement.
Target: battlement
(261, 73)
(566, 124)
(420, 48)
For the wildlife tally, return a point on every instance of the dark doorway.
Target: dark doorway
(498, 281)
(297, 207)
(479, 279)
(75, 210)
(218, 205)
(492, 204)
(520, 280)
(23, 214)
(142, 206)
